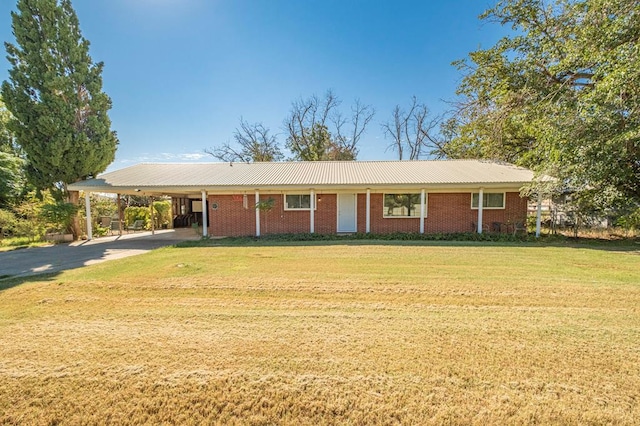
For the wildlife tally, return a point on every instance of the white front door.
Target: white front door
(347, 213)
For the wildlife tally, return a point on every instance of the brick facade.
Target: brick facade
(446, 212)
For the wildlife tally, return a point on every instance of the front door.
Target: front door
(347, 213)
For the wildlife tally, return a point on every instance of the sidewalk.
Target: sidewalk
(55, 258)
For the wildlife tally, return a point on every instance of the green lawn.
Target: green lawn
(328, 333)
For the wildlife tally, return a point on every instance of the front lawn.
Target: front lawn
(328, 333)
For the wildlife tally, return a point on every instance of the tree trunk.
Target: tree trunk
(73, 198)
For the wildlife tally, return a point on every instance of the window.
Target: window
(297, 202)
(490, 200)
(401, 205)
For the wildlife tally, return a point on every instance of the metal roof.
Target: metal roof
(159, 177)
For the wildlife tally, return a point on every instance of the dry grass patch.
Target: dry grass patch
(326, 334)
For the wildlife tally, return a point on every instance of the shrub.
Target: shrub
(58, 216)
(8, 223)
(162, 214)
(131, 214)
(630, 221)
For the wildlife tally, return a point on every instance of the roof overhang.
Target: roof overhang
(354, 176)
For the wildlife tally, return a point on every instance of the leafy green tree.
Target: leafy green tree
(54, 93)
(7, 140)
(12, 179)
(316, 146)
(561, 95)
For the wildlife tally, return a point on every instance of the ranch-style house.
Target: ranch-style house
(328, 197)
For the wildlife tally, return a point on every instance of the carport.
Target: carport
(188, 204)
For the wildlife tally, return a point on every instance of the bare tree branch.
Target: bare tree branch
(253, 144)
(415, 134)
(315, 118)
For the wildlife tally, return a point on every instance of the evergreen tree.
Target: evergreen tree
(54, 94)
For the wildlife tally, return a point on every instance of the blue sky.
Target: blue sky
(181, 73)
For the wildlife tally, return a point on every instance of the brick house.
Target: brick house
(330, 197)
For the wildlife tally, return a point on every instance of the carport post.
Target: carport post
(539, 215)
(204, 214)
(151, 210)
(87, 206)
(480, 203)
(119, 215)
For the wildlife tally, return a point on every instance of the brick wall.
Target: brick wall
(450, 212)
(453, 213)
(232, 219)
(380, 224)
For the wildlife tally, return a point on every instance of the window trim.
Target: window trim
(305, 209)
(417, 216)
(504, 200)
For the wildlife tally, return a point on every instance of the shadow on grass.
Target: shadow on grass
(36, 262)
(7, 282)
(435, 240)
(46, 263)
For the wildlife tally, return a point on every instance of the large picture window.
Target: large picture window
(297, 202)
(401, 205)
(490, 200)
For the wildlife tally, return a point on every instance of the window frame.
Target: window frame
(302, 209)
(484, 200)
(417, 210)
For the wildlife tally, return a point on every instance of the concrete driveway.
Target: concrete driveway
(40, 260)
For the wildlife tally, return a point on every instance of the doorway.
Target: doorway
(347, 211)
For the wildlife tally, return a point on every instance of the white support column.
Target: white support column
(257, 213)
(422, 210)
(87, 206)
(539, 215)
(312, 213)
(205, 212)
(480, 203)
(153, 216)
(368, 213)
(119, 215)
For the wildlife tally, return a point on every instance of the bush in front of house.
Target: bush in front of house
(132, 213)
(162, 215)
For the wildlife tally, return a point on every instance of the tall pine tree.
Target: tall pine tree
(54, 93)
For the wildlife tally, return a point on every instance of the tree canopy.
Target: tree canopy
(252, 143)
(54, 93)
(12, 181)
(560, 95)
(316, 128)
